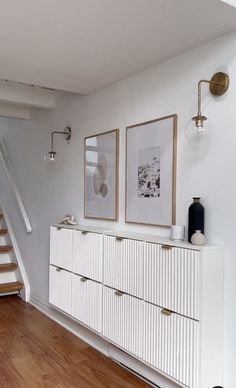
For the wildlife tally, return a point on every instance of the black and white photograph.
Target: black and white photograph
(149, 173)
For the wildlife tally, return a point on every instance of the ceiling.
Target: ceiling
(85, 45)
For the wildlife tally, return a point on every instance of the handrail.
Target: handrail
(15, 187)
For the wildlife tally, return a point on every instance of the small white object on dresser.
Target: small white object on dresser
(158, 300)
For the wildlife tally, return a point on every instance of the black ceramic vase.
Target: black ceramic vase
(195, 217)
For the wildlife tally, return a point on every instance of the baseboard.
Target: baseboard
(135, 366)
(71, 325)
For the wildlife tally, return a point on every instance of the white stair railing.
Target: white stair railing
(15, 187)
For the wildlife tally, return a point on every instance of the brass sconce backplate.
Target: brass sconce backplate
(67, 133)
(219, 83)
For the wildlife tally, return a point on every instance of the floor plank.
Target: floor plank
(37, 352)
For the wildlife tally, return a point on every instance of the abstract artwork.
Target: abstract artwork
(101, 175)
(151, 171)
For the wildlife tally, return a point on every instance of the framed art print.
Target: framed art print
(101, 159)
(151, 171)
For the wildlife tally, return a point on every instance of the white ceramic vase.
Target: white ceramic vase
(198, 238)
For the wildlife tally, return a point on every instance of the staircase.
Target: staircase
(10, 276)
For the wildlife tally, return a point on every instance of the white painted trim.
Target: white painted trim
(9, 168)
(14, 110)
(10, 293)
(119, 356)
(71, 325)
(26, 95)
(25, 295)
(140, 369)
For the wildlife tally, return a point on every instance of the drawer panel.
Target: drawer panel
(122, 320)
(60, 288)
(87, 302)
(87, 254)
(123, 265)
(171, 344)
(61, 247)
(171, 278)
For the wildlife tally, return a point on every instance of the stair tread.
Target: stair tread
(11, 287)
(5, 248)
(8, 267)
(3, 231)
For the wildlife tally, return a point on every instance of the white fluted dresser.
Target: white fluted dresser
(158, 300)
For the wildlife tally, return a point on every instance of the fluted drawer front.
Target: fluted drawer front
(87, 254)
(60, 288)
(170, 343)
(87, 302)
(122, 320)
(123, 265)
(171, 278)
(61, 247)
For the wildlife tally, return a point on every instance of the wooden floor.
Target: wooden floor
(37, 352)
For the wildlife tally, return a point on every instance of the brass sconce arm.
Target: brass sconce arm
(196, 130)
(51, 158)
(200, 95)
(218, 85)
(66, 133)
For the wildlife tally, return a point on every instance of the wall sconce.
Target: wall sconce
(197, 130)
(51, 158)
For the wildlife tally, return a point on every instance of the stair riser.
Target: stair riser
(5, 258)
(3, 240)
(7, 277)
(2, 224)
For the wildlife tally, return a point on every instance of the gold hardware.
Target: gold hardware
(51, 156)
(118, 238)
(197, 131)
(67, 133)
(167, 247)
(58, 269)
(219, 83)
(83, 279)
(119, 293)
(166, 312)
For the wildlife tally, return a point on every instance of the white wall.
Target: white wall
(208, 171)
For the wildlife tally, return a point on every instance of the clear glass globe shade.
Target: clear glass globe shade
(52, 159)
(198, 134)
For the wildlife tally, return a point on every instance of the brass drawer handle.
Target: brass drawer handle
(84, 231)
(83, 279)
(166, 312)
(58, 269)
(118, 238)
(167, 247)
(119, 293)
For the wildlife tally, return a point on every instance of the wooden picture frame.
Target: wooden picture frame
(101, 175)
(151, 159)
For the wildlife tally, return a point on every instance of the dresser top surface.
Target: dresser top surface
(79, 227)
(149, 238)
